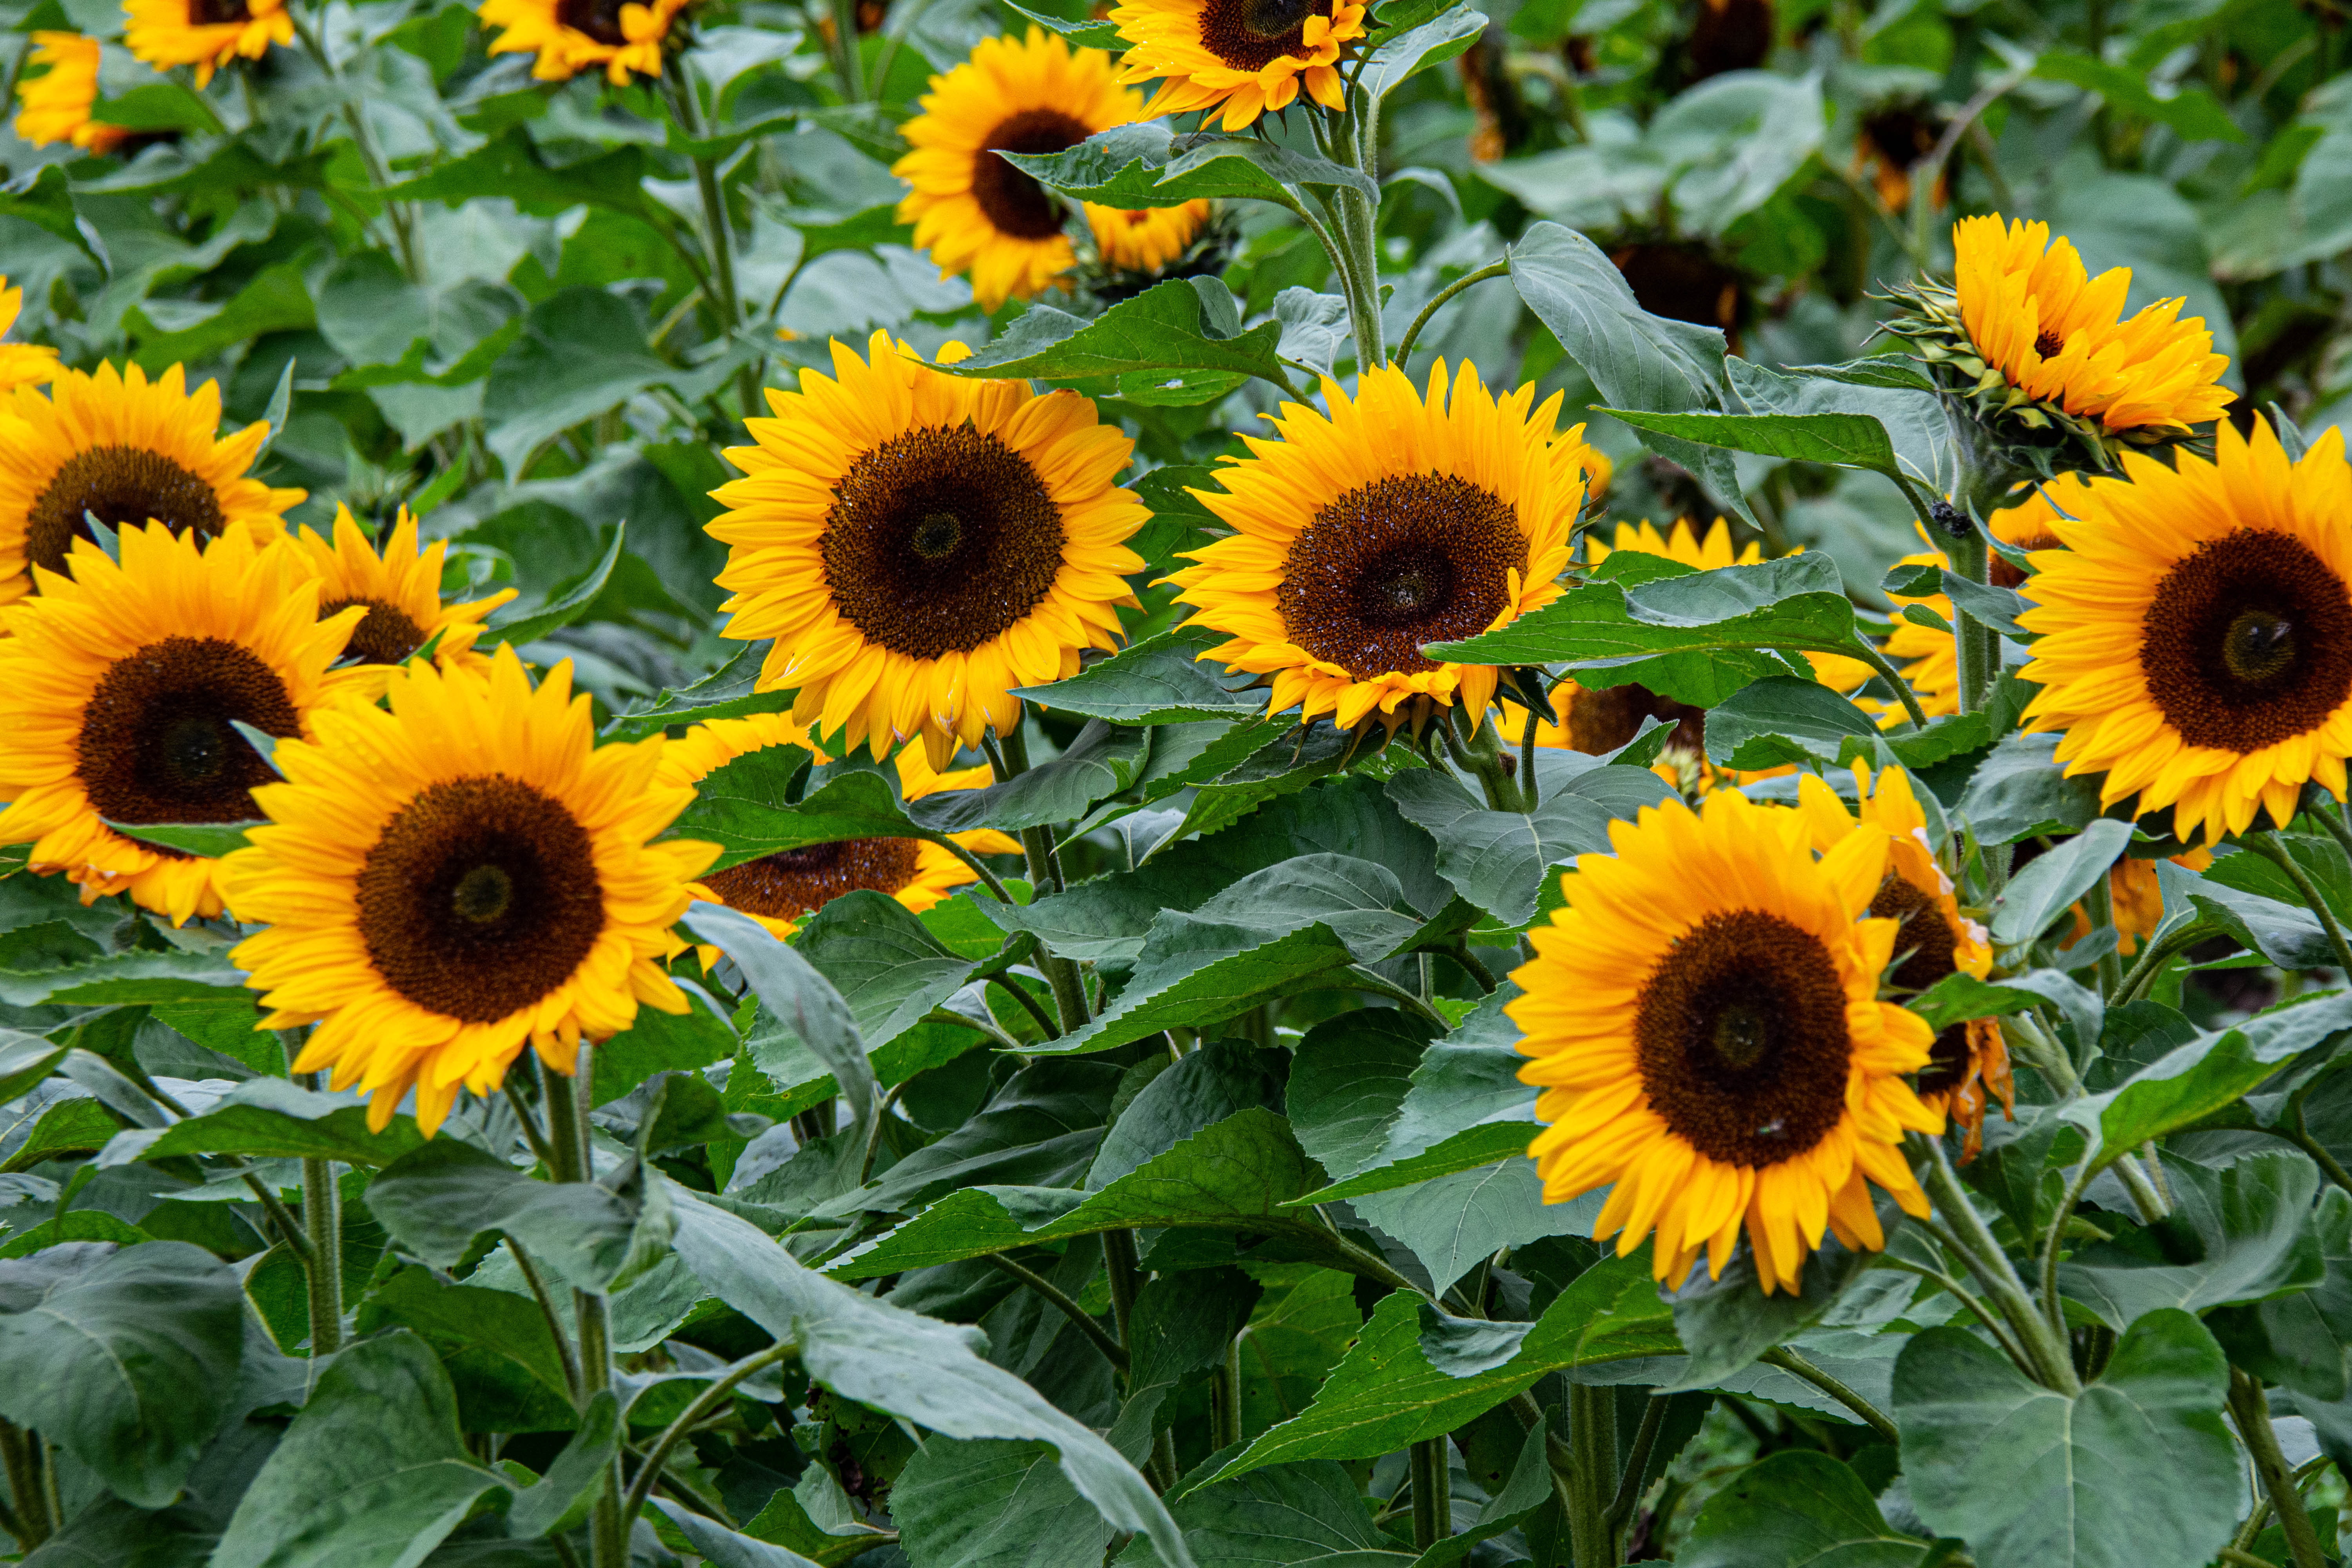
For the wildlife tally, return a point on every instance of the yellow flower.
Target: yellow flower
(206, 34)
(1925, 656)
(2026, 522)
(2034, 313)
(21, 365)
(400, 589)
(573, 35)
(1704, 1021)
(460, 876)
(976, 213)
(1396, 522)
(125, 681)
(918, 545)
(58, 102)
(1246, 57)
(129, 452)
(2196, 631)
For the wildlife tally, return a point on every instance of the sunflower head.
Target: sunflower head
(21, 365)
(458, 876)
(1400, 519)
(1704, 1020)
(206, 34)
(1241, 57)
(2195, 632)
(56, 103)
(618, 36)
(2027, 522)
(920, 544)
(400, 591)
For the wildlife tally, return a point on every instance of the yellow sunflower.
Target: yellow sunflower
(573, 35)
(206, 34)
(2137, 897)
(1396, 522)
(2026, 522)
(1705, 1028)
(2196, 631)
(125, 681)
(976, 213)
(21, 365)
(401, 591)
(1246, 57)
(58, 102)
(778, 889)
(2035, 314)
(460, 876)
(130, 452)
(919, 546)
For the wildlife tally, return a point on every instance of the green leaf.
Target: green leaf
(1147, 165)
(275, 299)
(719, 1547)
(437, 1199)
(1727, 1321)
(1347, 1077)
(2286, 934)
(270, 1118)
(1797, 1509)
(2194, 1080)
(1085, 35)
(1211, 1083)
(472, 1316)
(581, 353)
(1042, 1127)
(1498, 859)
(578, 1471)
(76, 1126)
(1841, 440)
(207, 840)
(791, 990)
(731, 691)
(138, 975)
(530, 626)
(993, 1503)
(1101, 762)
(1283, 1517)
(1399, 56)
(2049, 887)
(889, 968)
(1159, 680)
(25, 1060)
(2136, 1471)
(2018, 791)
(2300, 1340)
(129, 1365)
(2241, 1233)
(2193, 113)
(1180, 341)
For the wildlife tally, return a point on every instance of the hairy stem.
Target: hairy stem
(1976, 645)
(1413, 333)
(20, 1456)
(2250, 1409)
(1592, 1478)
(2268, 846)
(1789, 1361)
(702, 1405)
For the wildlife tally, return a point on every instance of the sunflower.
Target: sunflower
(401, 591)
(58, 102)
(466, 873)
(21, 365)
(2026, 522)
(778, 889)
(976, 213)
(206, 34)
(1704, 1018)
(919, 546)
(573, 35)
(1969, 1061)
(125, 681)
(1925, 656)
(1247, 57)
(2196, 631)
(1396, 522)
(130, 452)
(2137, 897)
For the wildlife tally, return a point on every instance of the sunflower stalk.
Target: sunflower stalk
(717, 236)
(1428, 1493)
(2250, 1410)
(1592, 1476)
(2049, 1361)
(1975, 646)
(568, 1101)
(1008, 758)
(379, 173)
(2099, 909)
(1356, 142)
(322, 1229)
(2267, 845)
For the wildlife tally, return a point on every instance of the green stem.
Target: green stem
(703, 1404)
(1035, 1009)
(1789, 1361)
(21, 1458)
(379, 173)
(845, 61)
(2050, 1362)
(2099, 909)
(1593, 1478)
(2250, 1409)
(1975, 646)
(1228, 1401)
(555, 1330)
(2266, 844)
(322, 1229)
(1413, 335)
(2317, 804)
(1163, 1460)
(1120, 1268)
(716, 233)
(1460, 953)
(569, 1100)
(2328, 1165)
(2050, 1243)
(1878, 662)
(1008, 758)
(297, 1241)
(1364, 979)
(1057, 1297)
(1429, 1489)
(2152, 959)
(1645, 1441)
(2144, 1195)
(2047, 1055)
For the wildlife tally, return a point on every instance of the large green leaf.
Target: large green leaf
(2240, 1233)
(1497, 860)
(1211, 1083)
(993, 1503)
(272, 1118)
(2018, 791)
(1101, 762)
(1797, 1509)
(1180, 341)
(1843, 441)
(1282, 1517)
(1147, 165)
(437, 1199)
(2049, 887)
(792, 990)
(731, 691)
(888, 967)
(1160, 681)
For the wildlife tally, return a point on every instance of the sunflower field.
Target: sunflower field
(1175, 784)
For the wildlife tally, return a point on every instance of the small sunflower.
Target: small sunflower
(2196, 631)
(1398, 521)
(58, 102)
(1244, 57)
(778, 889)
(457, 877)
(918, 545)
(206, 34)
(130, 452)
(126, 681)
(21, 365)
(573, 35)
(400, 589)
(976, 213)
(2026, 522)
(1704, 1018)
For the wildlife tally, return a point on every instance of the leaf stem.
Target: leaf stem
(1008, 758)
(322, 1229)
(1120, 1268)
(1413, 333)
(2267, 845)
(1975, 646)
(569, 1098)
(22, 1460)
(702, 1405)
(2332, 1168)
(2152, 960)
(401, 215)
(2250, 1409)
(555, 1331)
(1894, 678)
(1645, 1441)
(1428, 1493)
(1364, 979)
(2048, 1361)
(2051, 1239)
(1789, 1361)
(1036, 1009)
(717, 235)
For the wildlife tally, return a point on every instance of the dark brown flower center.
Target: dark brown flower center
(600, 19)
(122, 487)
(2049, 345)
(1729, 36)
(1927, 943)
(157, 740)
(1249, 35)
(216, 13)
(479, 898)
(939, 539)
(1390, 565)
(2248, 642)
(1014, 204)
(386, 636)
(794, 882)
(1947, 1062)
(1742, 1039)
(1604, 719)
(2004, 575)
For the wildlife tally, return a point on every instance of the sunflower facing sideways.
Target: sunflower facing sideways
(1400, 519)
(573, 35)
(2195, 634)
(457, 877)
(128, 451)
(206, 34)
(918, 545)
(975, 212)
(56, 103)
(1242, 58)
(21, 365)
(127, 681)
(400, 589)
(1705, 1026)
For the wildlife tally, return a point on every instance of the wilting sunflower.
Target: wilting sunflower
(125, 682)
(457, 877)
(1969, 1061)
(400, 589)
(1704, 1018)
(778, 889)
(206, 34)
(1398, 521)
(1246, 57)
(58, 102)
(919, 546)
(976, 213)
(21, 365)
(129, 452)
(573, 35)
(2196, 631)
